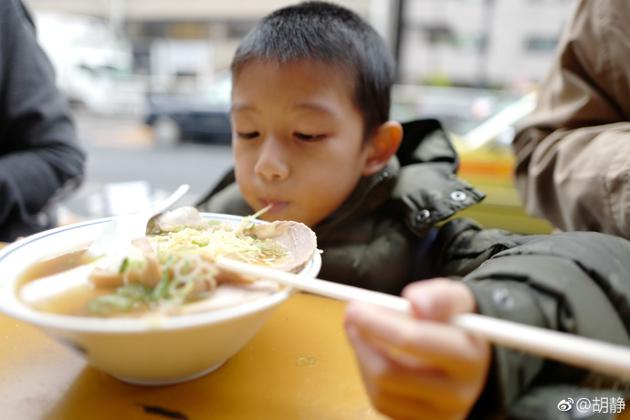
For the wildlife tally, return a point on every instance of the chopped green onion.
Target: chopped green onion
(105, 305)
(160, 290)
(123, 266)
(180, 291)
(135, 292)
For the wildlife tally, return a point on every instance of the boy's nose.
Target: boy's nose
(271, 164)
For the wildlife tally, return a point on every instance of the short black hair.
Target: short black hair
(329, 33)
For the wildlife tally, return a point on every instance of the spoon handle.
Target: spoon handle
(170, 200)
(130, 226)
(584, 352)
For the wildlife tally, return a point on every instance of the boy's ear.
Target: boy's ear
(382, 146)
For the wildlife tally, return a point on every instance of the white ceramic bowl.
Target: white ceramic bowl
(140, 351)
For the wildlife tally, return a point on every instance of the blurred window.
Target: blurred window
(239, 28)
(439, 34)
(537, 43)
(188, 30)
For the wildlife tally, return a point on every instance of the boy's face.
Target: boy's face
(297, 139)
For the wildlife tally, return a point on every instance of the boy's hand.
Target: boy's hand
(420, 367)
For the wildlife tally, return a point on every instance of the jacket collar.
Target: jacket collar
(370, 193)
(420, 182)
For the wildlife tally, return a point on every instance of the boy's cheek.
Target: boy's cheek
(244, 174)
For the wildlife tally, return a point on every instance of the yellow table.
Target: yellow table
(299, 366)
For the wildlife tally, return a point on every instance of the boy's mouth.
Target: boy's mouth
(276, 205)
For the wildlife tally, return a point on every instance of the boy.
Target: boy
(312, 138)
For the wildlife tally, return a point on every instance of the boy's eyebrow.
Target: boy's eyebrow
(314, 106)
(241, 107)
(309, 106)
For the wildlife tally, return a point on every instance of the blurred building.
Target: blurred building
(480, 42)
(450, 42)
(184, 43)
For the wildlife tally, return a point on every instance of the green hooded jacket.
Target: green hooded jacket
(397, 227)
(384, 236)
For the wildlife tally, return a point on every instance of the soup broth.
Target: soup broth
(171, 271)
(76, 301)
(55, 264)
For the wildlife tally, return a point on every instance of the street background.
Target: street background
(122, 154)
(149, 85)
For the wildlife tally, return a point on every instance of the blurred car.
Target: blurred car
(481, 123)
(202, 116)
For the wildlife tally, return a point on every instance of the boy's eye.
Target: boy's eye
(248, 135)
(308, 137)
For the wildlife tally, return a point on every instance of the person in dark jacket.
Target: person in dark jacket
(313, 141)
(40, 161)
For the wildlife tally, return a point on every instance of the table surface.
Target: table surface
(298, 366)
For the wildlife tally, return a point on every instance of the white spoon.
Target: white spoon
(588, 353)
(108, 248)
